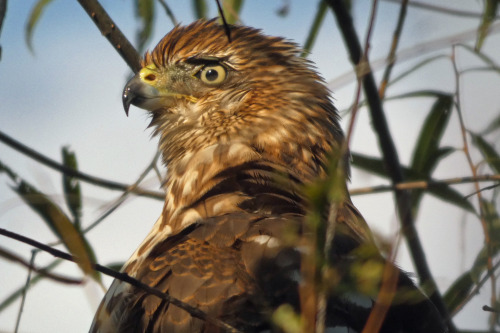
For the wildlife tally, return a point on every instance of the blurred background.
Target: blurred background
(65, 91)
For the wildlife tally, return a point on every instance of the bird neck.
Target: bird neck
(229, 177)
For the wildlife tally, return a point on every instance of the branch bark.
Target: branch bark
(112, 33)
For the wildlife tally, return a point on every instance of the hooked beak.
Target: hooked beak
(140, 94)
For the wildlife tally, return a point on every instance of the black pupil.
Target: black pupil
(212, 75)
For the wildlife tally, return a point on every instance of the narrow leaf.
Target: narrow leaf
(71, 186)
(200, 8)
(493, 126)
(458, 291)
(493, 223)
(232, 10)
(373, 165)
(489, 153)
(425, 155)
(33, 19)
(144, 10)
(449, 195)
(313, 32)
(490, 10)
(57, 221)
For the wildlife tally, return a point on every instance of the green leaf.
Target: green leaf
(144, 10)
(71, 186)
(458, 291)
(493, 126)
(489, 153)
(232, 10)
(56, 220)
(425, 154)
(200, 8)
(373, 165)
(313, 32)
(34, 17)
(490, 10)
(449, 195)
(493, 224)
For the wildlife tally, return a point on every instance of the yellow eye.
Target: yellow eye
(212, 74)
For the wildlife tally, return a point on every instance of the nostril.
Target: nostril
(150, 77)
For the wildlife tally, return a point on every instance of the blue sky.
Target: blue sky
(69, 93)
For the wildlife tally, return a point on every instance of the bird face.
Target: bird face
(160, 89)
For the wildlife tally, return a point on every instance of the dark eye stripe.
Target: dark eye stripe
(203, 61)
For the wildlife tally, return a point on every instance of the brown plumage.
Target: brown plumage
(243, 126)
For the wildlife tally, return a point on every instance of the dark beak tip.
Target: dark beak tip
(127, 99)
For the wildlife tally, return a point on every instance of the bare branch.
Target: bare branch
(424, 184)
(109, 30)
(391, 58)
(56, 277)
(439, 9)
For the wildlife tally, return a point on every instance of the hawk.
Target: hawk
(244, 125)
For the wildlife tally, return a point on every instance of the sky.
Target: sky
(67, 92)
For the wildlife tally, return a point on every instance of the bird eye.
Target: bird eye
(212, 75)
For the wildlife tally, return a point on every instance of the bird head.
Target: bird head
(202, 89)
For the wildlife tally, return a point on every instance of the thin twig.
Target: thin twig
(482, 189)
(5, 254)
(424, 184)
(474, 291)
(195, 312)
(23, 298)
(9, 300)
(226, 26)
(484, 224)
(391, 58)
(113, 34)
(3, 10)
(31, 153)
(439, 9)
(313, 32)
(391, 159)
(415, 51)
(168, 11)
(123, 197)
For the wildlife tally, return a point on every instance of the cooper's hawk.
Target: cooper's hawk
(243, 125)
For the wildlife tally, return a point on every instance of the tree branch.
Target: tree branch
(427, 184)
(112, 33)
